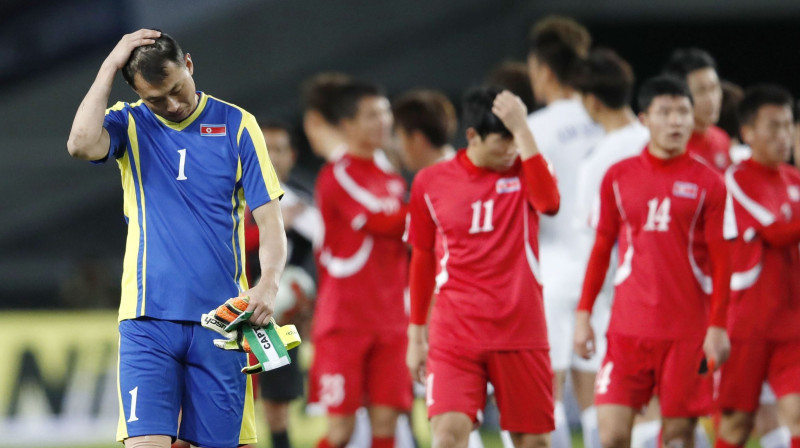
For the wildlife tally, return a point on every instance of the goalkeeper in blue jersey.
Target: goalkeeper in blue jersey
(188, 162)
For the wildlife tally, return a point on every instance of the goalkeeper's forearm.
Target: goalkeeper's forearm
(272, 246)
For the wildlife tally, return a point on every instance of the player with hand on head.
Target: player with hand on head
(566, 135)
(187, 161)
(765, 286)
(671, 218)
(487, 322)
(699, 70)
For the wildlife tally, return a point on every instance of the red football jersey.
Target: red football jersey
(713, 146)
(663, 213)
(362, 275)
(765, 286)
(488, 291)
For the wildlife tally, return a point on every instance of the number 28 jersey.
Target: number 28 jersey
(184, 190)
(663, 213)
(488, 290)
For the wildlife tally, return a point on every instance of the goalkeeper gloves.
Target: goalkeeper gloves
(269, 344)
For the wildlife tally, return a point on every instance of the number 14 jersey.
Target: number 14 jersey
(663, 214)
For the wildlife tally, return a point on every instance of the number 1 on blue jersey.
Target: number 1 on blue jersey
(181, 175)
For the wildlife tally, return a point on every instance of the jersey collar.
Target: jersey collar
(201, 105)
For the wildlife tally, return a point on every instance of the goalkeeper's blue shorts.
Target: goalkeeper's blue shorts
(166, 367)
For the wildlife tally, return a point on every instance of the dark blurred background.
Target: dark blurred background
(62, 232)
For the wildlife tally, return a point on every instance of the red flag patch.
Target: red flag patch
(213, 130)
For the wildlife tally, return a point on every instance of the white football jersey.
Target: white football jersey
(565, 135)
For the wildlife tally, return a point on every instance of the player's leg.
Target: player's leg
(388, 385)
(685, 394)
(789, 409)
(339, 368)
(150, 380)
(451, 430)
(738, 391)
(784, 378)
(523, 388)
(625, 384)
(278, 388)
(678, 432)
(584, 372)
(614, 423)
(149, 442)
(768, 428)
(647, 427)
(455, 394)
(218, 406)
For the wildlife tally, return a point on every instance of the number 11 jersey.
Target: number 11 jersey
(488, 291)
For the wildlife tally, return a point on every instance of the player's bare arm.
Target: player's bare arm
(512, 112)
(272, 257)
(716, 346)
(584, 343)
(88, 139)
(417, 351)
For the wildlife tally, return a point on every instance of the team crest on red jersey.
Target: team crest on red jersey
(213, 130)
(508, 185)
(794, 193)
(684, 190)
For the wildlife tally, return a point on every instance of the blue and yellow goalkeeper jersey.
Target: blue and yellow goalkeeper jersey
(185, 186)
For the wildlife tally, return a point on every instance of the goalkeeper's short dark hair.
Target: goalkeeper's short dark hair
(150, 60)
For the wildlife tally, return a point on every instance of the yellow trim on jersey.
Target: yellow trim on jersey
(130, 289)
(118, 106)
(130, 273)
(122, 428)
(267, 170)
(237, 216)
(201, 104)
(247, 434)
(134, 140)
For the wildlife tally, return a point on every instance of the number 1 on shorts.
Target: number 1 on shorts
(134, 392)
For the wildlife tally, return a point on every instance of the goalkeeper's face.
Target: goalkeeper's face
(174, 97)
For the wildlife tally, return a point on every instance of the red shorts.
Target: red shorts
(752, 362)
(635, 369)
(522, 380)
(354, 370)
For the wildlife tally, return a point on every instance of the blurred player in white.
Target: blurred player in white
(565, 135)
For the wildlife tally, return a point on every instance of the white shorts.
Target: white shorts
(560, 315)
